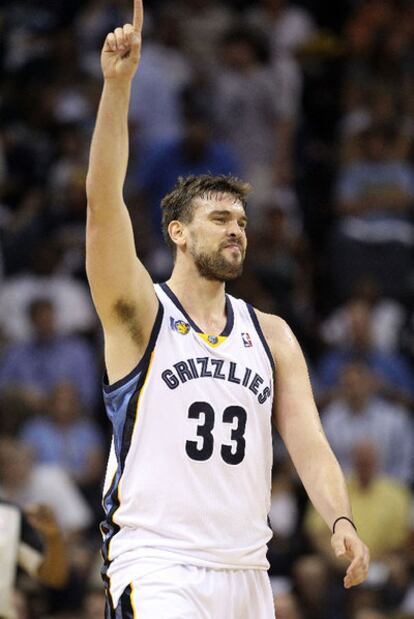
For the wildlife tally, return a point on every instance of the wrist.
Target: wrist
(117, 84)
(343, 522)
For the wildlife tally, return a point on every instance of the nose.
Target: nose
(233, 229)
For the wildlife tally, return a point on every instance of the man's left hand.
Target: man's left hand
(346, 543)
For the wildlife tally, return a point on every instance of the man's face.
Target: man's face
(217, 237)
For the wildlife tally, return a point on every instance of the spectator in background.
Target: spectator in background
(313, 585)
(361, 414)
(370, 105)
(248, 113)
(203, 23)
(63, 437)
(30, 540)
(165, 70)
(282, 261)
(380, 506)
(374, 235)
(74, 312)
(288, 27)
(49, 358)
(92, 21)
(393, 375)
(22, 482)
(387, 318)
(286, 607)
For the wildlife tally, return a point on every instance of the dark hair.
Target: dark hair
(178, 204)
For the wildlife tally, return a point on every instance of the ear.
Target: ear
(176, 230)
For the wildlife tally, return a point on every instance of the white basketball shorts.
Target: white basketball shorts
(191, 592)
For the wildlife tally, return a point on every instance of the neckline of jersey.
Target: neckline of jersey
(229, 312)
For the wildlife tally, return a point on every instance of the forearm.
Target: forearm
(53, 571)
(324, 482)
(109, 149)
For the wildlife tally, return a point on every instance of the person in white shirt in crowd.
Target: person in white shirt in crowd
(24, 483)
(74, 312)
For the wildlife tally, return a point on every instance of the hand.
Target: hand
(122, 48)
(346, 543)
(42, 518)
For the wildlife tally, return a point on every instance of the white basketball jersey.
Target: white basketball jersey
(189, 473)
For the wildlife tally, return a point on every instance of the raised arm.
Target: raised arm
(121, 288)
(297, 420)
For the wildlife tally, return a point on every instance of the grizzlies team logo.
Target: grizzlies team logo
(180, 326)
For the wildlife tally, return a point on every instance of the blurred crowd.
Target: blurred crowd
(314, 105)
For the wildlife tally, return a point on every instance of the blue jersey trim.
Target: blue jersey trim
(144, 360)
(260, 333)
(111, 500)
(229, 312)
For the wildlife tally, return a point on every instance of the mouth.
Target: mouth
(233, 246)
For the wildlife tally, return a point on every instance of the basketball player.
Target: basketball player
(194, 378)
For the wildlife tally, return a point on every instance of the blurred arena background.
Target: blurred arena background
(313, 103)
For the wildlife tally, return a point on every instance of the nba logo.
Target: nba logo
(246, 340)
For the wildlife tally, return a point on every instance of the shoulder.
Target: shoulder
(274, 327)
(279, 336)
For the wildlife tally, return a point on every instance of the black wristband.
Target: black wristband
(342, 518)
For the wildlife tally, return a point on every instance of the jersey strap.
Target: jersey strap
(260, 333)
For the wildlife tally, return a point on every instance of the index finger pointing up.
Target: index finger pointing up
(138, 18)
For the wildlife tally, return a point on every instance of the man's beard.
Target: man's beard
(215, 267)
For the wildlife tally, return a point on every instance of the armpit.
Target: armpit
(126, 313)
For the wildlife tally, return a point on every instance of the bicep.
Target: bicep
(121, 287)
(295, 414)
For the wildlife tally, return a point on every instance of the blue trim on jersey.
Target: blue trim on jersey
(229, 312)
(144, 360)
(260, 333)
(121, 400)
(122, 442)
